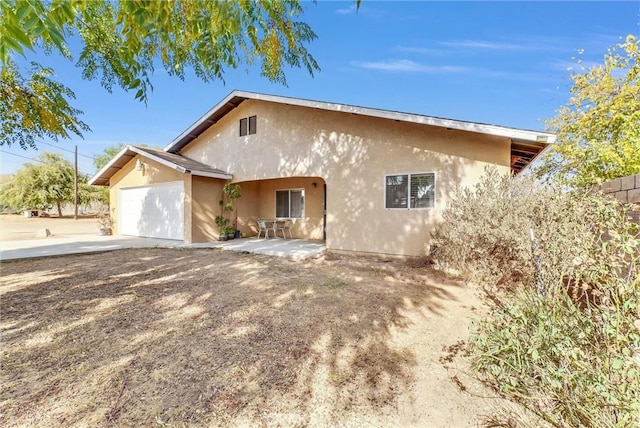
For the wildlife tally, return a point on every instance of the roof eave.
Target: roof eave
(102, 177)
(104, 169)
(196, 129)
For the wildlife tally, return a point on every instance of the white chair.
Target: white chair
(284, 226)
(262, 227)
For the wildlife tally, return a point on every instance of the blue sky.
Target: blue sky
(502, 63)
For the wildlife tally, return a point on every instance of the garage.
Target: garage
(155, 211)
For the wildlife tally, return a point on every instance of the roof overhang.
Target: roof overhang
(235, 98)
(524, 152)
(125, 155)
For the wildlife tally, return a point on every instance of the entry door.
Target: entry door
(155, 211)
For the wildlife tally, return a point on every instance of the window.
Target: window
(410, 191)
(290, 203)
(248, 125)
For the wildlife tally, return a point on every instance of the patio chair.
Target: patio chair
(262, 227)
(284, 226)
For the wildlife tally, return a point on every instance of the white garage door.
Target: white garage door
(153, 211)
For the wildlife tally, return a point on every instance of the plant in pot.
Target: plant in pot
(230, 193)
(223, 224)
(105, 223)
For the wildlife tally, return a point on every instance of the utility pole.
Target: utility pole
(75, 186)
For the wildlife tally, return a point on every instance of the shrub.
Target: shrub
(564, 337)
(571, 367)
(485, 233)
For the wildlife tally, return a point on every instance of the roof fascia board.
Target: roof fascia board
(496, 130)
(109, 165)
(212, 175)
(204, 118)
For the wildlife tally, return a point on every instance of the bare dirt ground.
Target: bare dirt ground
(17, 227)
(163, 337)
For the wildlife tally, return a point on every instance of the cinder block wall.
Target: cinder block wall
(626, 189)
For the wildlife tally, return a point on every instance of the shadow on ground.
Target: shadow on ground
(203, 337)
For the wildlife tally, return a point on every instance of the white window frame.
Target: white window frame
(409, 174)
(275, 198)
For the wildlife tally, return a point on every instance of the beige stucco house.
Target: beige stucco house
(362, 179)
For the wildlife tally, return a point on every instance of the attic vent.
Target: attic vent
(248, 125)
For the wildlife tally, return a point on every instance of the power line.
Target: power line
(20, 156)
(38, 160)
(62, 148)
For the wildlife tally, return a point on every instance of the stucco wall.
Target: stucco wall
(204, 208)
(152, 173)
(352, 154)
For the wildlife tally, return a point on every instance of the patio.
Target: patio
(293, 248)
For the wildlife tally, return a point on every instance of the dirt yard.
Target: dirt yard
(161, 337)
(17, 227)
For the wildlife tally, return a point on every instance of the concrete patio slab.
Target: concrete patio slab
(55, 246)
(293, 248)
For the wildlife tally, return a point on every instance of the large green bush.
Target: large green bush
(564, 337)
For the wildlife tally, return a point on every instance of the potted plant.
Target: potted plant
(222, 224)
(105, 223)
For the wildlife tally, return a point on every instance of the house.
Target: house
(362, 179)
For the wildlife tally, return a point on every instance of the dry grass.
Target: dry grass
(201, 337)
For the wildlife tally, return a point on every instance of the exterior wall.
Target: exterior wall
(205, 194)
(352, 154)
(152, 173)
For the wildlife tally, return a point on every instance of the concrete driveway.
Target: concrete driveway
(18, 240)
(52, 246)
(56, 246)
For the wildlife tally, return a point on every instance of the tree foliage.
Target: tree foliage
(123, 42)
(35, 106)
(45, 184)
(599, 128)
(99, 161)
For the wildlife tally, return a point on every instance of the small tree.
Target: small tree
(46, 184)
(41, 185)
(599, 128)
(230, 194)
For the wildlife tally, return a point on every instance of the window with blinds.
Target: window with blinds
(410, 191)
(290, 203)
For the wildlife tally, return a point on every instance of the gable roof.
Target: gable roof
(526, 144)
(172, 160)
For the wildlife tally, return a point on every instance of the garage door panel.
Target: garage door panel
(153, 211)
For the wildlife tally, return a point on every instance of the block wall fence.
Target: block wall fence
(627, 190)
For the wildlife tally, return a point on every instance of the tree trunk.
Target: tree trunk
(59, 209)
